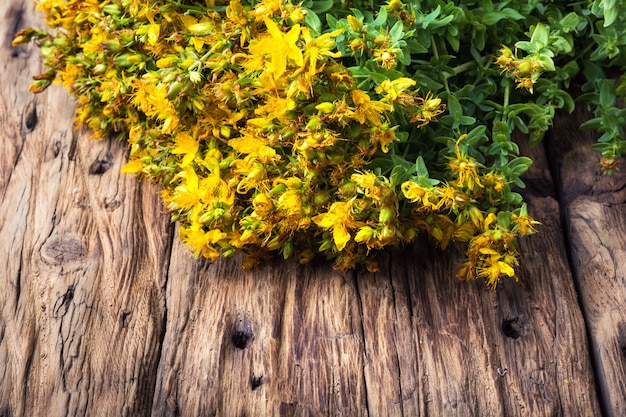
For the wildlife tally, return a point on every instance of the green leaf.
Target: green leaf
(607, 94)
(377, 77)
(454, 107)
(547, 63)
(570, 22)
(396, 32)
(512, 14)
(313, 22)
(398, 175)
(381, 19)
(476, 136)
(466, 120)
(404, 57)
(430, 17)
(500, 132)
(539, 37)
(519, 165)
(491, 18)
(610, 16)
(441, 22)
(420, 167)
(321, 6)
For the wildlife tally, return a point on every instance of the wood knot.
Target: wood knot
(514, 327)
(242, 334)
(102, 164)
(63, 249)
(30, 118)
(256, 382)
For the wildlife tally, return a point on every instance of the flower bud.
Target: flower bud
(99, 69)
(320, 198)
(355, 24)
(357, 44)
(195, 77)
(174, 89)
(325, 107)
(293, 183)
(524, 68)
(313, 123)
(112, 9)
(364, 234)
(287, 249)
(386, 214)
(348, 189)
(201, 28)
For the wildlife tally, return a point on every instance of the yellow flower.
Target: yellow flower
(428, 197)
(267, 8)
(495, 265)
(262, 204)
(152, 31)
(152, 100)
(394, 89)
(366, 109)
(186, 195)
(430, 108)
(384, 136)
(69, 74)
(316, 49)
(369, 185)
(134, 166)
(364, 235)
(246, 144)
(187, 146)
(465, 167)
(505, 58)
(524, 224)
(338, 218)
(200, 241)
(276, 108)
(280, 47)
(197, 29)
(386, 58)
(413, 192)
(356, 25)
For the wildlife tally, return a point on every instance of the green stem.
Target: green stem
(507, 92)
(460, 69)
(436, 55)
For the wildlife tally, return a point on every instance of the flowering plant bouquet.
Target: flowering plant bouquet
(337, 127)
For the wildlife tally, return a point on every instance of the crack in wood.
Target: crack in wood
(63, 301)
(15, 17)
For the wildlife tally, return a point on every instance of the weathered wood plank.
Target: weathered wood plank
(283, 339)
(450, 348)
(595, 207)
(85, 251)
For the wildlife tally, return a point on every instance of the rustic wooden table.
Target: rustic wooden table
(104, 313)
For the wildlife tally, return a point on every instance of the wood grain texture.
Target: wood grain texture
(86, 253)
(103, 312)
(595, 208)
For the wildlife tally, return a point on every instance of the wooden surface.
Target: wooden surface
(104, 313)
